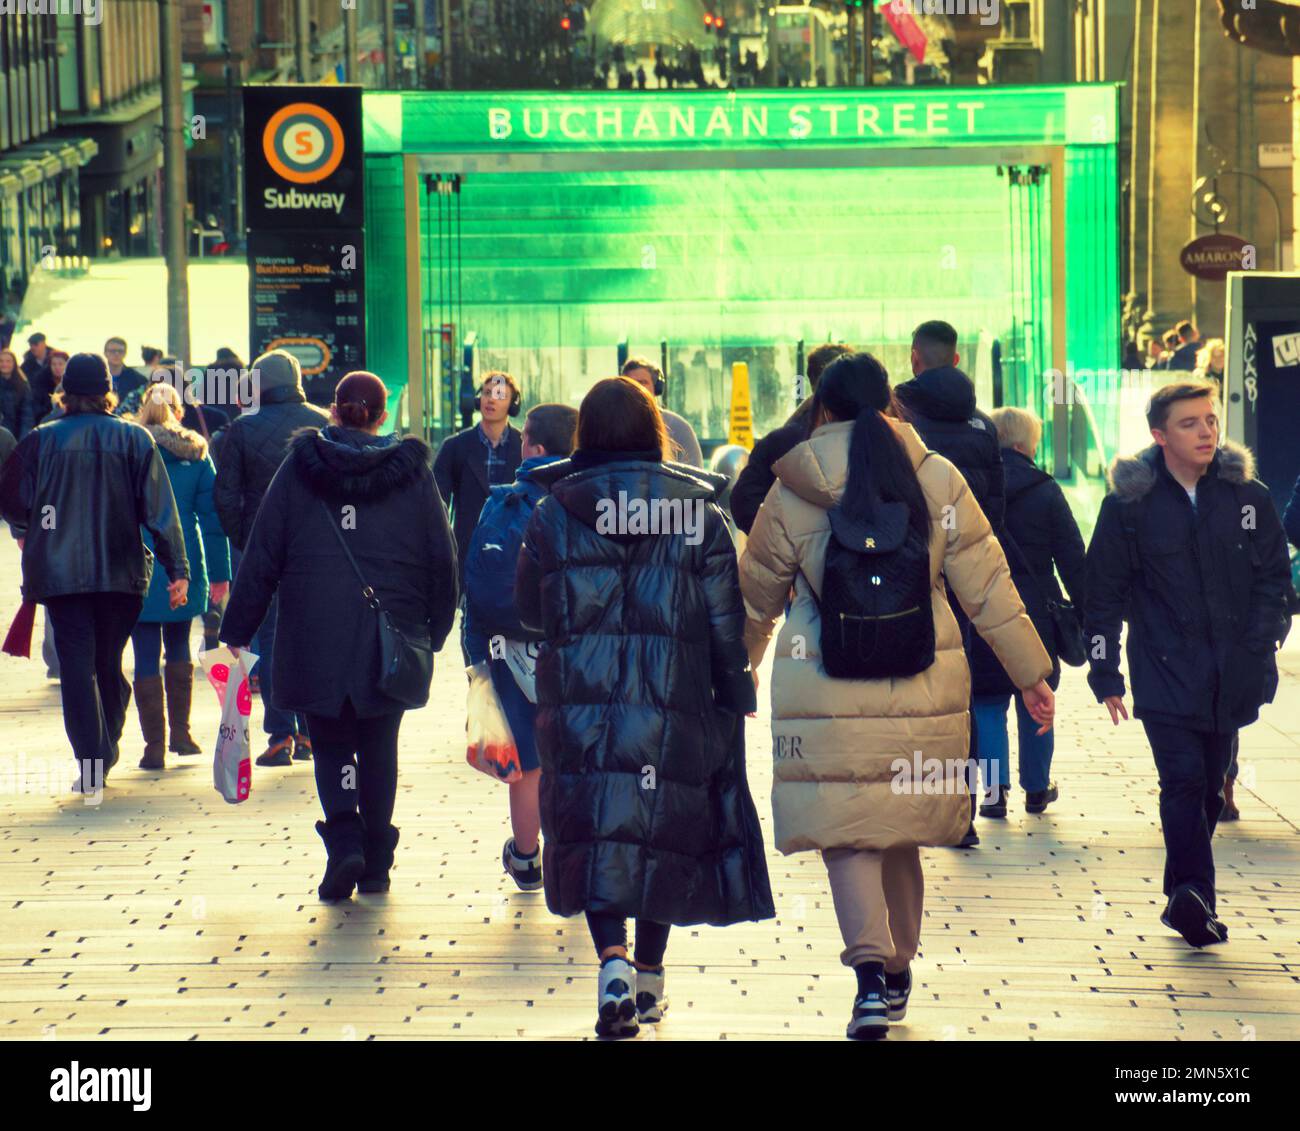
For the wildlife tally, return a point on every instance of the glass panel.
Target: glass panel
(552, 270)
(69, 65)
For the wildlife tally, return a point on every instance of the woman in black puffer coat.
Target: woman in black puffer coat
(643, 682)
(1042, 539)
(326, 663)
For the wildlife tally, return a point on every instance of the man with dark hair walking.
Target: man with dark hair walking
(1188, 340)
(64, 492)
(939, 402)
(493, 632)
(757, 476)
(1189, 551)
(125, 379)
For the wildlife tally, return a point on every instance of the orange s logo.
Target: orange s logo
(303, 143)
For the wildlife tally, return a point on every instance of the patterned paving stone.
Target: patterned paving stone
(166, 914)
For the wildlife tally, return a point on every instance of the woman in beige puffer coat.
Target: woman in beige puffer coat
(868, 771)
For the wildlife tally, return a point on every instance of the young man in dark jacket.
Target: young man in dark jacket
(36, 358)
(493, 633)
(255, 445)
(64, 492)
(939, 402)
(756, 478)
(479, 458)
(1189, 551)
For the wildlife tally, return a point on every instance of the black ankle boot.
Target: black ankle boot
(380, 849)
(344, 837)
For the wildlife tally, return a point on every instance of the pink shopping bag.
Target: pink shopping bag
(232, 767)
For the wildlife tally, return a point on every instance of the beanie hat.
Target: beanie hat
(86, 375)
(278, 369)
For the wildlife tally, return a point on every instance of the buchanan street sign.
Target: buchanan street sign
(797, 121)
(511, 121)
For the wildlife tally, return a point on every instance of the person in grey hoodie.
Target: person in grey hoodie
(685, 444)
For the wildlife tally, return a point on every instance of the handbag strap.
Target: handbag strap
(366, 591)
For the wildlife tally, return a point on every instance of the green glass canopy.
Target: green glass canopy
(709, 227)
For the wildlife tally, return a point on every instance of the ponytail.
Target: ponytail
(856, 387)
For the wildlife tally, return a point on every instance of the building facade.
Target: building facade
(40, 194)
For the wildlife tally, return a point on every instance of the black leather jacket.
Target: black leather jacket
(251, 453)
(78, 490)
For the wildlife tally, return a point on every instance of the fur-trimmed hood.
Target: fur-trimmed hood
(343, 463)
(1131, 477)
(180, 442)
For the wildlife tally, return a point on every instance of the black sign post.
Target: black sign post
(306, 213)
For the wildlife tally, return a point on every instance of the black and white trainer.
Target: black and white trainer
(870, 1020)
(1191, 917)
(898, 988)
(526, 871)
(615, 1007)
(651, 1001)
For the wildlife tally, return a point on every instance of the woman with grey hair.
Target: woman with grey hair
(1041, 539)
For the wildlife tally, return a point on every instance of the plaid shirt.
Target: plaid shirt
(498, 470)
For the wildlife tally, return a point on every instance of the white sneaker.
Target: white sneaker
(615, 1008)
(651, 1002)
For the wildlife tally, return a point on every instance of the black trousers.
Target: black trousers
(90, 634)
(356, 765)
(610, 930)
(1192, 765)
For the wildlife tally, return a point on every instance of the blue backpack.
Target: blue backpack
(491, 558)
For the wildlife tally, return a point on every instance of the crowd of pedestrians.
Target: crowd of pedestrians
(906, 542)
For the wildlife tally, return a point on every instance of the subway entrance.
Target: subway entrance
(553, 235)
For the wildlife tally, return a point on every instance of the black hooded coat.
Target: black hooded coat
(643, 684)
(381, 492)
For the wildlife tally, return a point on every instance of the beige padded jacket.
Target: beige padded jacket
(840, 747)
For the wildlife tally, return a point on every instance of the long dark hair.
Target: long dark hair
(856, 387)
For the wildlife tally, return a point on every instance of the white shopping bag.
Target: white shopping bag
(521, 658)
(232, 767)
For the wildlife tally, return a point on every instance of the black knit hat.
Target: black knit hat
(86, 375)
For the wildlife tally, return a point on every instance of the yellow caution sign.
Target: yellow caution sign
(741, 424)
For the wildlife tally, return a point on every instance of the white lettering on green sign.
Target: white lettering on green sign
(800, 121)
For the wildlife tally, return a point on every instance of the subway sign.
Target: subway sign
(303, 156)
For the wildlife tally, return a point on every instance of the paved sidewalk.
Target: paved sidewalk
(166, 913)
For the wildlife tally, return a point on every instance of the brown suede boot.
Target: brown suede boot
(149, 705)
(180, 689)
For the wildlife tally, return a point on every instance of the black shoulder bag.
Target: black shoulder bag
(405, 658)
(1066, 628)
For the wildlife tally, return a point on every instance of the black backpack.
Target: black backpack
(877, 620)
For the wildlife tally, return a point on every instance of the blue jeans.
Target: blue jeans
(994, 745)
(276, 723)
(149, 641)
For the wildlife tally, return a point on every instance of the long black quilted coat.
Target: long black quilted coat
(642, 686)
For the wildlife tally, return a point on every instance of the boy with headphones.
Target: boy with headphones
(471, 462)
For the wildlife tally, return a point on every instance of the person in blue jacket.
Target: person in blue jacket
(162, 630)
(493, 633)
